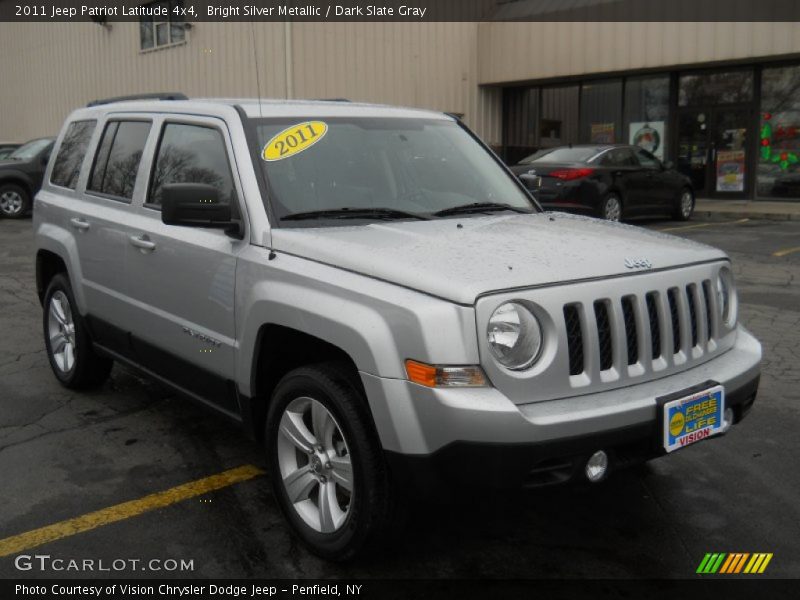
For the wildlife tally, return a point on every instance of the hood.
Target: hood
(461, 259)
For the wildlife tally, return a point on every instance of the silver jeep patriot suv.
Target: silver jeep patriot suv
(371, 293)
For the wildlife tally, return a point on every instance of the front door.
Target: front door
(181, 279)
(713, 150)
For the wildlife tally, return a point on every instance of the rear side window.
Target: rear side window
(70, 155)
(619, 157)
(118, 156)
(192, 154)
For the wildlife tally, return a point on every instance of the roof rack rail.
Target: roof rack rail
(335, 100)
(155, 96)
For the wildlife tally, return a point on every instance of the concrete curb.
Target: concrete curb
(723, 215)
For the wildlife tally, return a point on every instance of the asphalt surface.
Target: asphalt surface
(64, 454)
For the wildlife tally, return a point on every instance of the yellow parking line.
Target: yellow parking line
(699, 225)
(126, 510)
(786, 251)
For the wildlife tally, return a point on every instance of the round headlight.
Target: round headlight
(725, 296)
(514, 335)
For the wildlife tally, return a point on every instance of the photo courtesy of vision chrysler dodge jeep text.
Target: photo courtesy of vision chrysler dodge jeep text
(372, 294)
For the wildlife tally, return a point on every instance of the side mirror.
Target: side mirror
(669, 165)
(196, 205)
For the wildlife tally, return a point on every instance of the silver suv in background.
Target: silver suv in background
(371, 293)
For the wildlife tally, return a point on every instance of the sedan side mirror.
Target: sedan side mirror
(196, 205)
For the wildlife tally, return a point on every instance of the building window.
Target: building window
(158, 31)
(711, 89)
(779, 134)
(601, 112)
(647, 113)
(559, 120)
(522, 117)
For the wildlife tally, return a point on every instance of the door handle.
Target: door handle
(79, 224)
(143, 243)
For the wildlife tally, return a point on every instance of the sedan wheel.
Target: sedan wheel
(686, 205)
(315, 466)
(11, 203)
(612, 208)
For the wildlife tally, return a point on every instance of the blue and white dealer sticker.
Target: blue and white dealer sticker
(693, 418)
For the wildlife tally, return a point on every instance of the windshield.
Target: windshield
(560, 155)
(31, 149)
(379, 168)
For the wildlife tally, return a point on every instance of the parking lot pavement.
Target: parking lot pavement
(65, 454)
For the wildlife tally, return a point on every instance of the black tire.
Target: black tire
(15, 201)
(369, 505)
(87, 370)
(679, 213)
(607, 210)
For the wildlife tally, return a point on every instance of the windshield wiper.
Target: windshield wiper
(479, 207)
(354, 213)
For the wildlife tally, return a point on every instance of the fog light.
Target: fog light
(727, 419)
(597, 466)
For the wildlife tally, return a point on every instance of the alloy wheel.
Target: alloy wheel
(10, 202)
(687, 203)
(315, 466)
(61, 331)
(612, 209)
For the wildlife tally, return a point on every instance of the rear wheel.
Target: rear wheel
(326, 462)
(14, 201)
(69, 348)
(685, 205)
(611, 207)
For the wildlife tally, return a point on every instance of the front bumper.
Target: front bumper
(444, 431)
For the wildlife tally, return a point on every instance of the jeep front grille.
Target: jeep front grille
(627, 333)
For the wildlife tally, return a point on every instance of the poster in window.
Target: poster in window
(649, 136)
(730, 171)
(602, 133)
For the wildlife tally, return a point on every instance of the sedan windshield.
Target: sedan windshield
(31, 149)
(561, 155)
(379, 169)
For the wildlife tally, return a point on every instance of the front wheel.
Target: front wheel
(611, 208)
(685, 205)
(326, 462)
(14, 201)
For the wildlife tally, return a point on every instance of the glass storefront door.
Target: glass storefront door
(712, 150)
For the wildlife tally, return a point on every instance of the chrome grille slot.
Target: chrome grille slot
(674, 310)
(690, 295)
(630, 329)
(655, 326)
(604, 334)
(710, 332)
(572, 320)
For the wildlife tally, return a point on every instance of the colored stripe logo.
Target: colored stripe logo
(734, 563)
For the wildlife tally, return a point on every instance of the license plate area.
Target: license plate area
(691, 415)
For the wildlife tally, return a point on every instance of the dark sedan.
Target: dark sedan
(21, 176)
(611, 182)
(7, 149)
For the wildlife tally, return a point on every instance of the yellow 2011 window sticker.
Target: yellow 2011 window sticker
(294, 140)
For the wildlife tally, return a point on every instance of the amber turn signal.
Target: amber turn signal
(438, 376)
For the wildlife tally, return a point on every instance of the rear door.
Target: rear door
(98, 209)
(661, 187)
(181, 279)
(629, 178)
